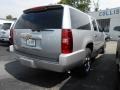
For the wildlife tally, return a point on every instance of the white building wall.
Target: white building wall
(108, 13)
(114, 15)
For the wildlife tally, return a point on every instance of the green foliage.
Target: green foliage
(9, 17)
(83, 5)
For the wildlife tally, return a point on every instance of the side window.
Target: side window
(79, 20)
(94, 25)
(117, 28)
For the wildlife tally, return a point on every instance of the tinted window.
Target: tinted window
(43, 19)
(79, 20)
(6, 26)
(117, 28)
(94, 25)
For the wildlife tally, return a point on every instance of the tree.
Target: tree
(83, 5)
(9, 17)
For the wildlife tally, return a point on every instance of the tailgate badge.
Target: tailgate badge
(26, 36)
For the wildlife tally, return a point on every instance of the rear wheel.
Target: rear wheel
(103, 49)
(87, 63)
(117, 62)
(118, 67)
(85, 67)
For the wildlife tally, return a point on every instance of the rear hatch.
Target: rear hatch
(38, 32)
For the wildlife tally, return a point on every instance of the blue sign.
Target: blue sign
(109, 12)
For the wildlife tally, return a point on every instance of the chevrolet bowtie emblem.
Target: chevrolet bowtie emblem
(26, 36)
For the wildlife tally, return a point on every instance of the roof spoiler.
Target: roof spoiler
(42, 8)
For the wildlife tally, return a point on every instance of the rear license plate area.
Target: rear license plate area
(31, 42)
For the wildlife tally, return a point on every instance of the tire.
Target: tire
(117, 62)
(93, 58)
(83, 70)
(102, 49)
(118, 69)
(87, 63)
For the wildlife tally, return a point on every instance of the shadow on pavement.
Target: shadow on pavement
(103, 76)
(38, 77)
(4, 44)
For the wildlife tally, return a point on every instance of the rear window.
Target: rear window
(6, 26)
(48, 19)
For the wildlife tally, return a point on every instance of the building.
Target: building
(109, 21)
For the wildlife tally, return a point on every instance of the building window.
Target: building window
(104, 24)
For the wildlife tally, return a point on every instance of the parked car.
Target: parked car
(118, 54)
(107, 36)
(1, 22)
(5, 31)
(57, 38)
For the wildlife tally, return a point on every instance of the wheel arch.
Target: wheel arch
(90, 45)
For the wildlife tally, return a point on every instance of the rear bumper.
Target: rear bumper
(66, 61)
(6, 39)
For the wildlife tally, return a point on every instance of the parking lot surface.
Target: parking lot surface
(103, 75)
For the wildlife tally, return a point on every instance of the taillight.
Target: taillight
(11, 37)
(35, 9)
(39, 8)
(67, 41)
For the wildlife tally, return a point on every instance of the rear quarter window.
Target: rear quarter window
(48, 19)
(79, 20)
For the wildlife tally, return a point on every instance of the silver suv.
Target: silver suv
(5, 30)
(56, 38)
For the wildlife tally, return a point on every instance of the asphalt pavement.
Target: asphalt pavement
(14, 76)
